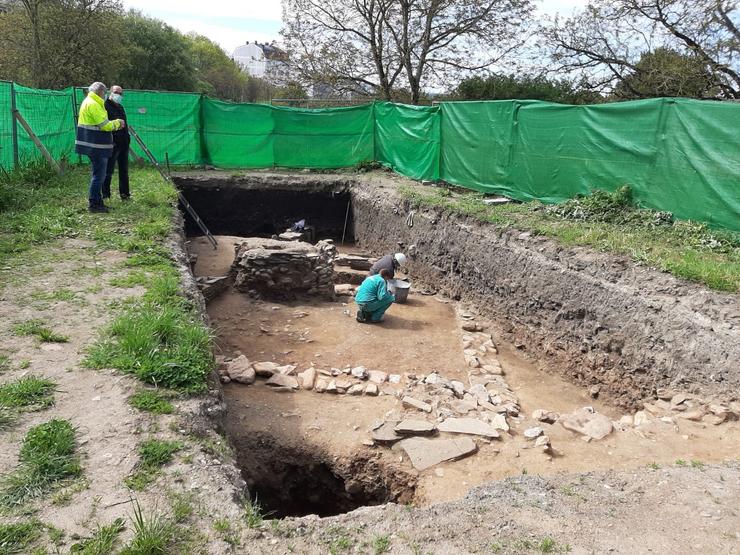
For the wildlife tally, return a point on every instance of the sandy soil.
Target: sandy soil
(418, 338)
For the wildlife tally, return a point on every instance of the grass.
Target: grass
(47, 458)
(153, 534)
(132, 279)
(381, 544)
(29, 393)
(153, 455)
(4, 363)
(608, 222)
(159, 337)
(55, 296)
(102, 541)
(253, 515)
(18, 537)
(150, 400)
(36, 328)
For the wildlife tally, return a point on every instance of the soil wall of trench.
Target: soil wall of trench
(596, 318)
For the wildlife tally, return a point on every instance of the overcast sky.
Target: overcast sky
(234, 22)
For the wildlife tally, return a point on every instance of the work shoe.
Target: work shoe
(362, 317)
(98, 208)
(125, 197)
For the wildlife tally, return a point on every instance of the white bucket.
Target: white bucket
(400, 289)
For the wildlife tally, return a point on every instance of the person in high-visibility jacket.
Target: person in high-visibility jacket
(95, 140)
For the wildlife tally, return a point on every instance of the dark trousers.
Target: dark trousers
(98, 165)
(120, 155)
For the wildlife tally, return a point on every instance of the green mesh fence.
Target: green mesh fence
(677, 155)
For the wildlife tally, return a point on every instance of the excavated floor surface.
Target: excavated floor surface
(416, 338)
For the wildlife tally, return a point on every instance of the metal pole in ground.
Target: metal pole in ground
(16, 161)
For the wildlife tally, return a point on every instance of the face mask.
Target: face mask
(117, 98)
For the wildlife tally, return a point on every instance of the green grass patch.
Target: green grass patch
(29, 393)
(253, 514)
(132, 279)
(66, 295)
(150, 400)
(153, 455)
(4, 363)
(19, 537)
(47, 458)
(102, 541)
(154, 534)
(36, 328)
(608, 222)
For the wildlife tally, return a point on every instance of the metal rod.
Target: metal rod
(167, 161)
(180, 196)
(346, 217)
(49, 158)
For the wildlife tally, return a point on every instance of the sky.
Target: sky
(231, 23)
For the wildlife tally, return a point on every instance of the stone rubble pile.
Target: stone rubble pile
(284, 268)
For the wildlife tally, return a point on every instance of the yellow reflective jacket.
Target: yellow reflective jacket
(94, 128)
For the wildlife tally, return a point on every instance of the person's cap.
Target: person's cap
(400, 258)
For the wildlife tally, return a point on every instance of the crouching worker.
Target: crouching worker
(373, 298)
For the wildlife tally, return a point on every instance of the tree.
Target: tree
(666, 72)
(364, 46)
(605, 42)
(158, 56)
(215, 73)
(57, 43)
(526, 87)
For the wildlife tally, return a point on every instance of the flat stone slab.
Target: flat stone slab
(425, 453)
(415, 428)
(385, 433)
(471, 426)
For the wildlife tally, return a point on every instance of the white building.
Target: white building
(265, 61)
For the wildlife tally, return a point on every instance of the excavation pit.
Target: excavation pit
(460, 325)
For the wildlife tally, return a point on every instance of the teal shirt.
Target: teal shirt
(373, 289)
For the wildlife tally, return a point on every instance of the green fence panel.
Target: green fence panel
(324, 138)
(560, 151)
(407, 139)
(476, 139)
(238, 135)
(50, 114)
(697, 171)
(168, 122)
(6, 127)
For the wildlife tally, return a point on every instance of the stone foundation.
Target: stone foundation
(267, 267)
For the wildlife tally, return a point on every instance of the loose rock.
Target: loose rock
(280, 380)
(534, 432)
(265, 369)
(240, 370)
(415, 428)
(470, 426)
(415, 403)
(587, 423)
(425, 453)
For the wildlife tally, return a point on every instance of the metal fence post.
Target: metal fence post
(16, 161)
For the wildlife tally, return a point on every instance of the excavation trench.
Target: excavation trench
(569, 330)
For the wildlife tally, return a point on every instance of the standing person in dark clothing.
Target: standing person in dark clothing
(121, 141)
(390, 262)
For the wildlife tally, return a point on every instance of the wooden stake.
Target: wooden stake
(49, 158)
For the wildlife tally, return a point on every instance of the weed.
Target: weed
(54, 296)
(150, 400)
(223, 527)
(30, 393)
(17, 538)
(653, 466)
(340, 545)
(37, 329)
(697, 464)
(680, 462)
(381, 544)
(253, 514)
(153, 534)
(153, 454)
(4, 363)
(64, 497)
(182, 506)
(7, 418)
(102, 541)
(24, 364)
(47, 457)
